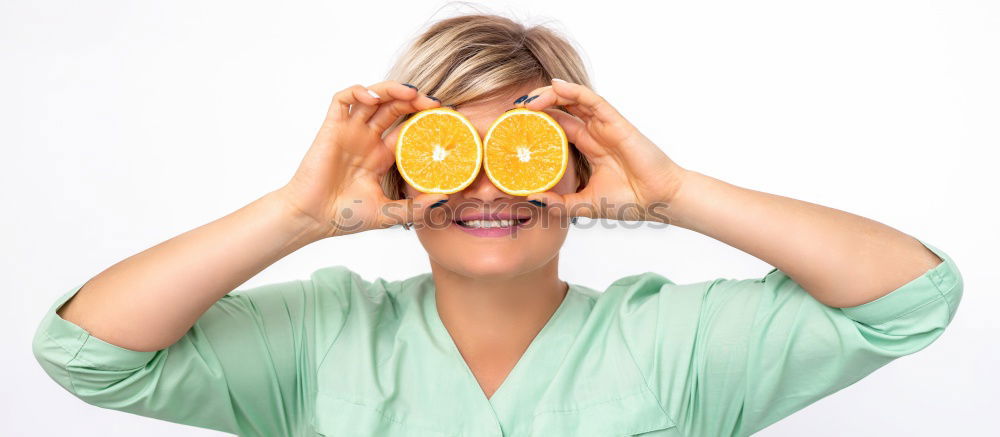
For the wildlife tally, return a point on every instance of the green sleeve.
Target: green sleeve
(244, 367)
(731, 357)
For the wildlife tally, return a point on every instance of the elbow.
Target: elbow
(52, 358)
(95, 371)
(915, 329)
(104, 384)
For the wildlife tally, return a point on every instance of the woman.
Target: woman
(492, 342)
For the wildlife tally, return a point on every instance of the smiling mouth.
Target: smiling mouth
(488, 224)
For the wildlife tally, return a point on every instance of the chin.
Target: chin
(500, 257)
(492, 268)
(484, 263)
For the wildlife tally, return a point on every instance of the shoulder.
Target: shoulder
(344, 288)
(350, 304)
(649, 309)
(647, 291)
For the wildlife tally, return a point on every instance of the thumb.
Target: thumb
(562, 206)
(576, 133)
(419, 209)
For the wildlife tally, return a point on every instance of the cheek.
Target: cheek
(534, 246)
(409, 192)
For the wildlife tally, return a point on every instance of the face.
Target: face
(532, 243)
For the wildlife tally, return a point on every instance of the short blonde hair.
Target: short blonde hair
(483, 57)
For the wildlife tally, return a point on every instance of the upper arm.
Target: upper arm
(241, 368)
(734, 356)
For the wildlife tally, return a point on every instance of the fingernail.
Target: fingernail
(520, 99)
(537, 203)
(373, 94)
(439, 203)
(410, 86)
(532, 98)
(434, 99)
(555, 79)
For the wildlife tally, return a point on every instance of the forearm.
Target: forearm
(840, 258)
(149, 300)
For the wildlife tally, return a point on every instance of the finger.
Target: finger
(389, 141)
(383, 92)
(588, 103)
(535, 94)
(418, 210)
(576, 133)
(341, 106)
(389, 113)
(574, 110)
(392, 92)
(565, 206)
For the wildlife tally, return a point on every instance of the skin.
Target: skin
(840, 258)
(495, 294)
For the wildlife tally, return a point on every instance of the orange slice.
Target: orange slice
(525, 152)
(438, 151)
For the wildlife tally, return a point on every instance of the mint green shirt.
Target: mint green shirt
(339, 355)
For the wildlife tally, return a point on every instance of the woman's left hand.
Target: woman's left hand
(631, 178)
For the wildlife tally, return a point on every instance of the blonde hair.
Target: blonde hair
(482, 57)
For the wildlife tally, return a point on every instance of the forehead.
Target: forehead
(482, 114)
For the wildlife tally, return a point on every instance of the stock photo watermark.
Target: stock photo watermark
(605, 215)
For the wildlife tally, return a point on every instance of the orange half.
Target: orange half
(525, 152)
(438, 151)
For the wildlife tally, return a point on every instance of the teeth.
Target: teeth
(488, 223)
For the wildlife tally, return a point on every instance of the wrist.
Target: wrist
(675, 184)
(660, 209)
(679, 197)
(301, 227)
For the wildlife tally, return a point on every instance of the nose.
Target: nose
(483, 189)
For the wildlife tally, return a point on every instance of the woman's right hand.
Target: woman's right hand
(338, 182)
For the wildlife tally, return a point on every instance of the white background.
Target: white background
(127, 123)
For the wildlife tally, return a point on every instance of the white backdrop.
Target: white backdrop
(127, 123)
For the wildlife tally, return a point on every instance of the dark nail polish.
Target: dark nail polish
(531, 98)
(439, 203)
(408, 85)
(434, 99)
(537, 203)
(520, 99)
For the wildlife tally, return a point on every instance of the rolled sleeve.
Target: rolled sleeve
(58, 342)
(242, 368)
(933, 295)
(733, 356)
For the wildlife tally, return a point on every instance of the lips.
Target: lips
(498, 223)
(480, 221)
(492, 216)
(494, 224)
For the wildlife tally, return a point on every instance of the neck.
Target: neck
(500, 310)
